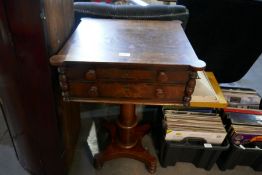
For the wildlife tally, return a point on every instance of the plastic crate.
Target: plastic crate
(191, 150)
(237, 155)
(240, 155)
(197, 154)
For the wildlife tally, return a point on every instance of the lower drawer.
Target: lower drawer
(126, 90)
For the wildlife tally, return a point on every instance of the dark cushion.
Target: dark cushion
(152, 12)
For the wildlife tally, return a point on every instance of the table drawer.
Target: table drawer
(172, 76)
(127, 74)
(93, 73)
(126, 90)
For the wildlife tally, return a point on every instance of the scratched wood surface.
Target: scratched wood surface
(129, 42)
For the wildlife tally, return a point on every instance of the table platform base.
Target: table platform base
(126, 137)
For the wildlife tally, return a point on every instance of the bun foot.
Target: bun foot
(97, 164)
(151, 168)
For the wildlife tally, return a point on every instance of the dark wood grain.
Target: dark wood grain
(11, 98)
(126, 140)
(69, 123)
(129, 42)
(29, 106)
(119, 92)
(127, 62)
(131, 54)
(58, 17)
(138, 73)
(26, 87)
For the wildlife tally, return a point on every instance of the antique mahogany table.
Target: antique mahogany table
(128, 62)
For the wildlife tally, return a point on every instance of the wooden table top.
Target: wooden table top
(129, 42)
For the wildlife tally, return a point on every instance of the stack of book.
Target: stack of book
(194, 123)
(245, 127)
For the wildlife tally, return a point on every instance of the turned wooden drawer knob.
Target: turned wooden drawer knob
(62, 78)
(160, 93)
(90, 74)
(63, 86)
(162, 77)
(93, 92)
